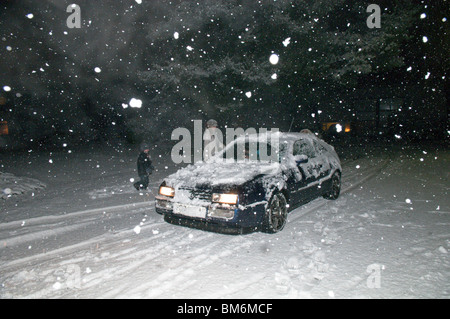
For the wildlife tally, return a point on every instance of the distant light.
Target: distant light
(338, 128)
(347, 128)
(135, 103)
(248, 94)
(274, 76)
(6, 88)
(30, 16)
(176, 35)
(139, 1)
(425, 39)
(4, 129)
(287, 42)
(97, 70)
(189, 48)
(427, 76)
(423, 15)
(274, 59)
(124, 105)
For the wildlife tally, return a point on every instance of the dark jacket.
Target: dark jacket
(144, 164)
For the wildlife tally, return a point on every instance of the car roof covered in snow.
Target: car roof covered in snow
(281, 136)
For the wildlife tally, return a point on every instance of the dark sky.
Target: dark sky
(71, 76)
(43, 50)
(71, 80)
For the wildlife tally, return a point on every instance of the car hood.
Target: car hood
(215, 174)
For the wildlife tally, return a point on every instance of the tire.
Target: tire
(276, 214)
(335, 189)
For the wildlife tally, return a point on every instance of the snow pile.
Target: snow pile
(12, 185)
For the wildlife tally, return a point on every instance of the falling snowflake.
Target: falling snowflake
(274, 59)
(135, 103)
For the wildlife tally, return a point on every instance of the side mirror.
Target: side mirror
(301, 159)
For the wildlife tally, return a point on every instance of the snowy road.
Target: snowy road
(386, 236)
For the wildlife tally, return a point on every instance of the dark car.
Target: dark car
(252, 184)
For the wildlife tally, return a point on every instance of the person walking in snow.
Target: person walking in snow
(144, 167)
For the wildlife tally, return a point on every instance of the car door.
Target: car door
(322, 166)
(305, 188)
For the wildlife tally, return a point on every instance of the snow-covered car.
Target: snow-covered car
(240, 190)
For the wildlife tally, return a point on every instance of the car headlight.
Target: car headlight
(231, 199)
(167, 191)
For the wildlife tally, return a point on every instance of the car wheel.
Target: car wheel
(335, 189)
(276, 214)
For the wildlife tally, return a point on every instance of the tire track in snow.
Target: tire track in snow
(101, 263)
(45, 220)
(118, 269)
(47, 233)
(180, 269)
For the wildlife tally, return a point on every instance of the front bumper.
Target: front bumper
(229, 219)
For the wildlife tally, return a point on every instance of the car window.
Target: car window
(257, 151)
(283, 151)
(319, 148)
(304, 147)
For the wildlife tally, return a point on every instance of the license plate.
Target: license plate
(188, 210)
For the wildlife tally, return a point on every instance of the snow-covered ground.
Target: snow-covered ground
(81, 231)
(12, 185)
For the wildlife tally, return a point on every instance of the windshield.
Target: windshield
(251, 151)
